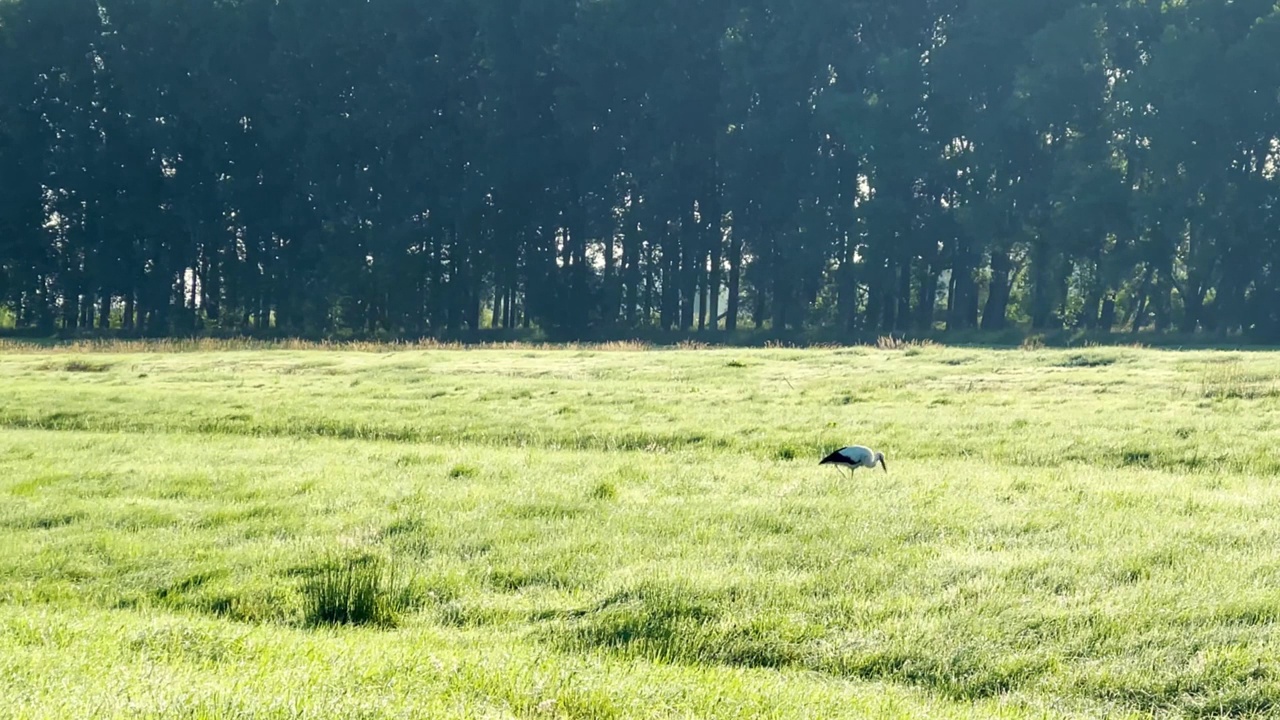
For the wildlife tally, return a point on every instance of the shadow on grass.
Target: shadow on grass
(681, 624)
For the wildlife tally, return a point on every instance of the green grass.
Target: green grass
(213, 532)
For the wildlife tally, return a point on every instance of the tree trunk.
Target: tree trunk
(702, 302)
(735, 279)
(475, 304)
(129, 304)
(649, 290)
(459, 287)
(780, 286)
(670, 313)
(964, 293)
(888, 290)
(1136, 316)
(1042, 286)
(712, 226)
(631, 274)
(874, 301)
(904, 315)
(45, 319)
(849, 295)
(690, 271)
(1091, 310)
(927, 303)
(71, 311)
(1107, 319)
(713, 286)
(1162, 300)
(612, 280)
(499, 312)
(520, 312)
(995, 314)
(1192, 308)
(104, 311)
(211, 289)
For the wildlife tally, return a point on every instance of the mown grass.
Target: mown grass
(521, 532)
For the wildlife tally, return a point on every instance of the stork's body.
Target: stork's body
(854, 457)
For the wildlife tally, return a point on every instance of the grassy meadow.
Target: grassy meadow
(211, 531)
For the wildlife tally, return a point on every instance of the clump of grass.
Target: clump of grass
(47, 520)
(623, 346)
(1141, 458)
(1086, 360)
(355, 590)
(604, 490)
(1230, 381)
(458, 472)
(77, 366)
(912, 347)
(85, 366)
(787, 452)
(735, 364)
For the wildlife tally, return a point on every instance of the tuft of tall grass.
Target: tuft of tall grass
(604, 490)
(355, 590)
(76, 365)
(1087, 360)
(913, 347)
(462, 471)
(1231, 381)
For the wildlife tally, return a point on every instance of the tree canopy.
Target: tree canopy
(413, 168)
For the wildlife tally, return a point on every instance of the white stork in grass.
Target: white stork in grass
(855, 457)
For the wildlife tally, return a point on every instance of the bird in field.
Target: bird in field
(855, 457)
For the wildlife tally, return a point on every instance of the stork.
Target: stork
(855, 457)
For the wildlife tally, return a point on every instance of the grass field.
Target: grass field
(620, 533)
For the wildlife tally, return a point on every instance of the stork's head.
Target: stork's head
(880, 459)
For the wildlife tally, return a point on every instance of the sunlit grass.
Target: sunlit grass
(528, 532)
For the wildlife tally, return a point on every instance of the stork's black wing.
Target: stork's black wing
(836, 458)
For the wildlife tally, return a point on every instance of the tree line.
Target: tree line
(410, 168)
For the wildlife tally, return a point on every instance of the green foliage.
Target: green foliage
(634, 168)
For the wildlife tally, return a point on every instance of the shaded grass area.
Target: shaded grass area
(1081, 554)
(180, 667)
(1106, 407)
(355, 590)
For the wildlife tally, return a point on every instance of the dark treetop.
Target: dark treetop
(410, 167)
